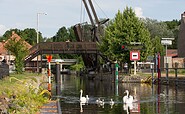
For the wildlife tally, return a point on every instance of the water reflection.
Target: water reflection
(148, 99)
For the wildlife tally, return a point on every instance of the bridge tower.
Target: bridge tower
(90, 33)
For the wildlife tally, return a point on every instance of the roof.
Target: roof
(172, 53)
(17, 38)
(2, 49)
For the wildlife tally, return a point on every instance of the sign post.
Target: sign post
(166, 41)
(116, 72)
(49, 57)
(134, 56)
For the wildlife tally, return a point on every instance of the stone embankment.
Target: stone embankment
(53, 107)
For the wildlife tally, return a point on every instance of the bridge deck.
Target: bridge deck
(62, 47)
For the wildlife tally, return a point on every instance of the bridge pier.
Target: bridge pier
(58, 79)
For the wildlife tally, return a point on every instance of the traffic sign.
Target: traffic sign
(166, 42)
(134, 55)
(49, 57)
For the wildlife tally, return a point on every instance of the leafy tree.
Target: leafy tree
(122, 30)
(19, 50)
(174, 27)
(157, 46)
(8, 33)
(30, 35)
(172, 24)
(61, 35)
(156, 28)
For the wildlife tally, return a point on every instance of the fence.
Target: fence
(4, 70)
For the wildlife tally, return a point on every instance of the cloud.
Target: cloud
(139, 12)
(2, 29)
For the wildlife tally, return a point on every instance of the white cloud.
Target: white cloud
(139, 12)
(2, 29)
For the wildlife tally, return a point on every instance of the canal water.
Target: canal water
(148, 99)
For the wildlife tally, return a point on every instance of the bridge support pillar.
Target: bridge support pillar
(58, 79)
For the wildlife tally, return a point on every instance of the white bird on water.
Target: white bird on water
(111, 103)
(82, 99)
(98, 100)
(127, 98)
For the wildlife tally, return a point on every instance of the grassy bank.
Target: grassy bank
(24, 93)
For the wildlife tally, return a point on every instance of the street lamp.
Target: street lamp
(38, 35)
(38, 25)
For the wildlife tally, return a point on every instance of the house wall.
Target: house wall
(181, 37)
(180, 62)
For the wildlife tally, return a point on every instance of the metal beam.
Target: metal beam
(88, 12)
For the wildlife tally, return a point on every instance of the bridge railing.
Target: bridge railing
(60, 46)
(67, 45)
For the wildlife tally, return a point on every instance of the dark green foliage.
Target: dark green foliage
(168, 29)
(28, 34)
(172, 24)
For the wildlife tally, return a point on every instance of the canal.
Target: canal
(148, 99)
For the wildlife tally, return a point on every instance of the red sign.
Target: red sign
(49, 57)
(134, 55)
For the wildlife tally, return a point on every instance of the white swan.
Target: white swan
(111, 103)
(127, 98)
(98, 100)
(101, 103)
(87, 98)
(82, 99)
(128, 107)
(81, 108)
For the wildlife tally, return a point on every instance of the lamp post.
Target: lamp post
(38, 14)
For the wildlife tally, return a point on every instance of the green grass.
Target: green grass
(26, 90)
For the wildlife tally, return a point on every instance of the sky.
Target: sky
(22, 14)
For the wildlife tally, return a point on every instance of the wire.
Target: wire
(100, 8)
(81, 12)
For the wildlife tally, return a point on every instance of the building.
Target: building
(181, 38)
(6, 55)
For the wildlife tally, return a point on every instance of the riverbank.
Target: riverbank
(140, 78)
(23, 93)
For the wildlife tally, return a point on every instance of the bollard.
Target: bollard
(116, 72)
(167, 79)
(152, 70)
(176, 79)
(158, 67)
(49, 58)
(49, 77)
(58, 79)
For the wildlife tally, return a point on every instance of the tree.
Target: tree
(174, 27)
(28, 34)
(157, 46)
(122, 30)
(19, 50)
(158, 30)
(61, 35)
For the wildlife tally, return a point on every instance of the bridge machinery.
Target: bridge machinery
(90, 33)
(87, 37)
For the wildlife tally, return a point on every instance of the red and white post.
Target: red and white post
(49, 57)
